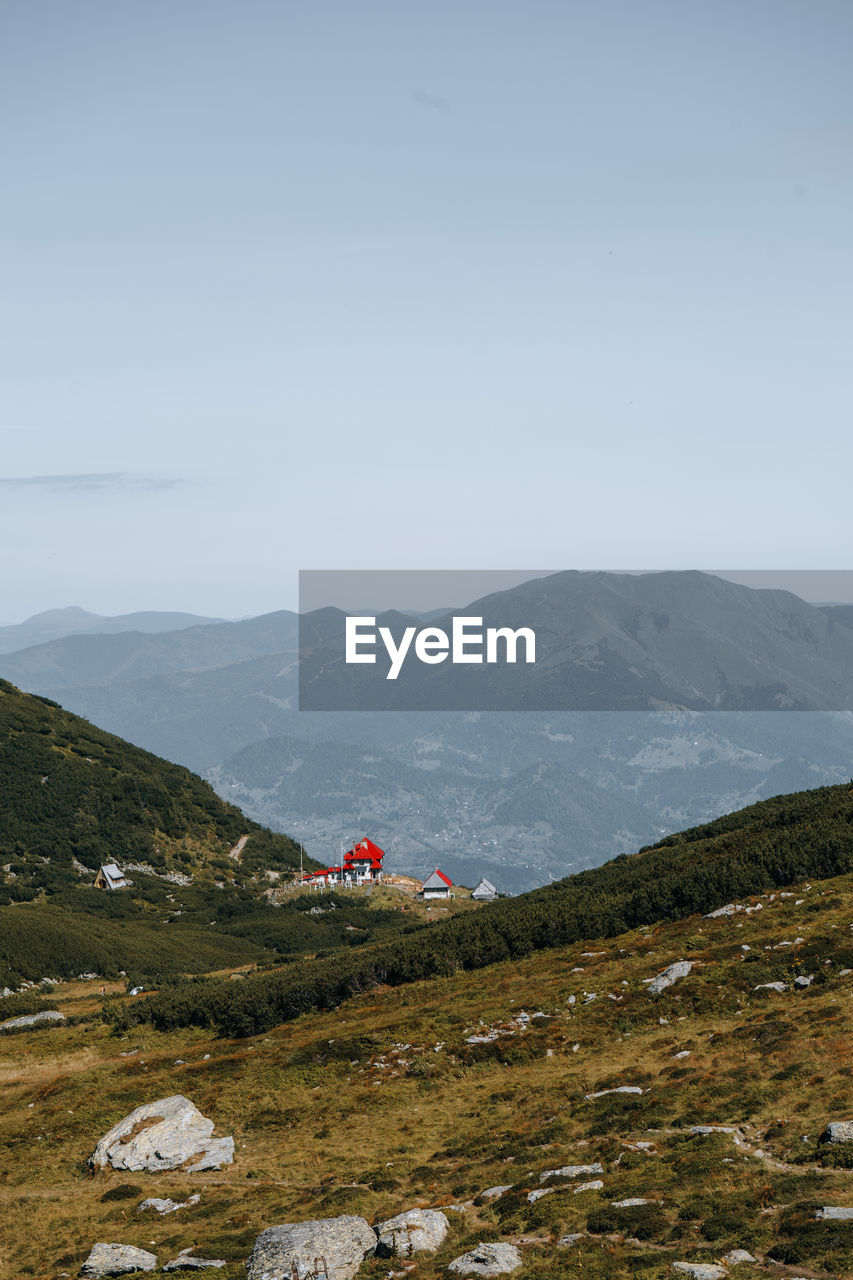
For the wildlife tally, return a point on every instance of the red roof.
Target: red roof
(446, 880)
(364, 851)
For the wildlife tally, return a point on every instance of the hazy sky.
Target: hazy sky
(454, 283)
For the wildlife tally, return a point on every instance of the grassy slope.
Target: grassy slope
(72, 791)
(767, 845)
(356, 1110)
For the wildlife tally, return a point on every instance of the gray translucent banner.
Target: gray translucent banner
(513, 640)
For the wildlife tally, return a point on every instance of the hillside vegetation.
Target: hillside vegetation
(71, 791)
(431, 1093)
(766, 846)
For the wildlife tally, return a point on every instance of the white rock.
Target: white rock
(44, 1018)
(166, 1205)
(701, 1270)
(736, 1256)
(291, 1249)
(494, 1193)
(595, 1185)
(537, 1195)
(634, 1202)
(567, 1242)
(702, 1130)
(835, 1212)
(771, 986)
(680, 969)
(417, 1231)
(838, 1131)
(168, 1134)
(497, 1259)
(571, 1171)
(622, 1088)
(804, 980)
(186, 1262)
(116, 1260)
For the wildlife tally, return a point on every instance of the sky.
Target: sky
(388, 285)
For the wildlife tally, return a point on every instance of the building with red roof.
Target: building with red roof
(362, 864)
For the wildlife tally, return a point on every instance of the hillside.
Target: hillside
(763, 847)
(71, 792)
(436, 1092)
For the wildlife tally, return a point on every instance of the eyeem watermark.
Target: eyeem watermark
(575, 640)
(467, 642)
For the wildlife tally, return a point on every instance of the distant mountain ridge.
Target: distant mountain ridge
(464, 790)
(54, 624)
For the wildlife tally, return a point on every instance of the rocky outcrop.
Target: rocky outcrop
(418, 1231)
(296, 1248)
(168, 1134)
(186, 1262)
(494, 1193)
(838, 1212)
(838, 1131)
(680, 969)
(46, 1017)
(116, 1260)
(573, 1170)
(735, 1257)
(701, 1270)
(166, 1206)
(495, 1259)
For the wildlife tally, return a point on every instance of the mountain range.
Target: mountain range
(520, 797)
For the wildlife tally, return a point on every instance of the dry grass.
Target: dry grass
(358, 1111)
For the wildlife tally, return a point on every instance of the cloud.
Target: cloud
(87, 481)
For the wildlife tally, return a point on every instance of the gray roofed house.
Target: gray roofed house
(485, 891)
(110, 877)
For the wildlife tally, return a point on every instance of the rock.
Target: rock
(804, 980)
(572, 1170)
(838, 1131)
(537, 1195)
(736, 1256)
(595, 1185)
(771, 986)
(292, 1248)
(701, 1270)
(680, 969)
(494, 1193)
(116, 1260)
(728, 910)
(633, 1202)
(495, 1259)
(702, 1130)
(169, 1134)
(622, 1088)
(185, 1262)
(568, 1242)
(45, 1017)
(835, 1212)
(417, 1231)
(166, 1206)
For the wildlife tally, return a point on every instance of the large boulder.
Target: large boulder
(680, 969)
(295, 1249)
(838, 1131)
(496, 1259)
(46, 1017)
(116, 1260)
(169, 1134)
(418, 1231)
